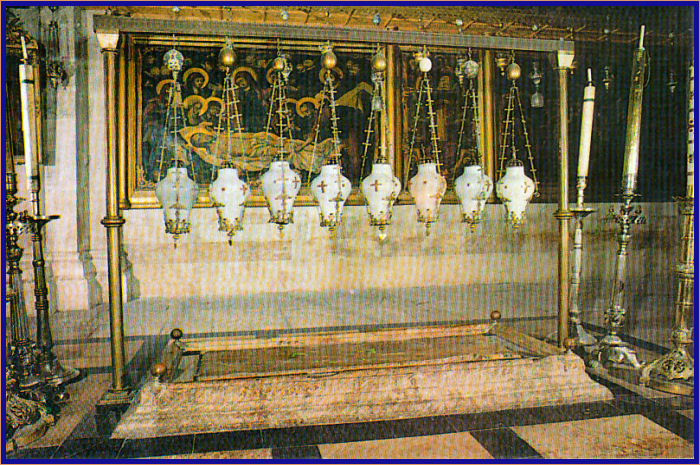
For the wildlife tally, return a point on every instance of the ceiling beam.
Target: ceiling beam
(109, 23)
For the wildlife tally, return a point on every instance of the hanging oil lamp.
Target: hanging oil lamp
(331, 188)
(176, 192)
(536, 99)
(228, 191)
(473, 187)
(428, 186)
(381, 187)
(514, 188)
(280, 183)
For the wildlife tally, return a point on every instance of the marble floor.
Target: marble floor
(638, 423)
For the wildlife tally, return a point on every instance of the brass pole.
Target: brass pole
(122, 129)
(563, 214)
(391, 79)
(113, 221)
(487, 116)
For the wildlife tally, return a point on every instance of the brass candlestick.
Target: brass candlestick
(674, 372)
(22, 346)
(579, 211)
(50, 370)
(610, 349)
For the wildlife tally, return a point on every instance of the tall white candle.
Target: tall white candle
(26, 88)
(584, 149)
(690, 186)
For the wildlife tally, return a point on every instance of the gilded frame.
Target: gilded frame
(130, 105)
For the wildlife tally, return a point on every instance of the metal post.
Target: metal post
(563, 214)
(487, 117)
(113, 221)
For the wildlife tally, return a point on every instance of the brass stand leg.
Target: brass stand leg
(563, 214)
(674, 372)
(611, 349)
(575, 327)
(50, 369)
(119, 392)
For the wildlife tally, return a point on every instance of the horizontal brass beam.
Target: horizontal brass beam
(112, 24)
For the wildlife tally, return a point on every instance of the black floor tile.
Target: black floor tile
(574, 412)
(154, 447)
(485, 420)
(294, 437)
(303, 452)
(89, 448)
(425, 426)
(351, 432)
(33, 453)
(676, 402)
(503, 443)
(230, 440)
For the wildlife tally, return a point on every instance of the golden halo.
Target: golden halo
(304, 100)
(161, 84)
(338, 75)
(206, 103)
(190, 100)
(244, 69)
(204, 74)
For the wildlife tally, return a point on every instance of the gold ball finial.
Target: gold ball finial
(329, 60)
(279, 63)
(495, 315)
(176, 334)
(227, 57)
(379, 62)
(513, 71)
(158, 370)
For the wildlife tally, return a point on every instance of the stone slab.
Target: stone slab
(434, 387)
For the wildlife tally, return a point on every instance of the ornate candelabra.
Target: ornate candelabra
(50, 369)
(580, 211)
(610, 349)
(674, 372)
(22, 347)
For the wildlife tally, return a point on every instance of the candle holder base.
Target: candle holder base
(583, 338)
(673, 373)
(612, 352)
(55, 374)
(23, 366)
